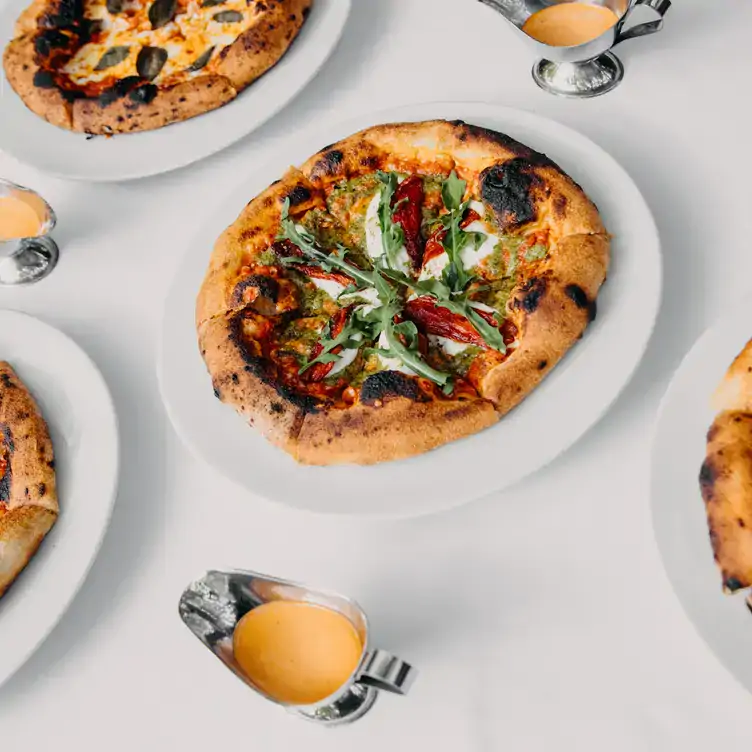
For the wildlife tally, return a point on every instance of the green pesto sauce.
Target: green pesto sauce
(267, 258)
(326, 228)
(310, 297)
(344, 197)
(458, 364)
(496, 294)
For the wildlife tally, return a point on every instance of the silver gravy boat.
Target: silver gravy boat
(212, 606)
(25, 260)
(585, 70)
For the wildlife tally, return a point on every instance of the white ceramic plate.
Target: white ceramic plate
(678, 510)
(570, 400)
(78, 409)
(32, 140)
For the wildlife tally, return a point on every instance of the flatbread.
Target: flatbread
(28, 495)
(121, 66)
(550, 261)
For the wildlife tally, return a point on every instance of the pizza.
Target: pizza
(726, 474)
(119, 66)
(28, 496)
(403, 288)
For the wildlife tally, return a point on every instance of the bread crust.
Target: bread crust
(550, 309)
(28, 494)
(143, 106)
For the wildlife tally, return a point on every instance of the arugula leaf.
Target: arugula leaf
(307, 243)
(452, 191)
(392, 236)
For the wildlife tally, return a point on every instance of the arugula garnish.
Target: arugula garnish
(456, 304)
(308, 244)
(392, 235)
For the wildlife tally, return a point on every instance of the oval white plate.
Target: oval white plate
(570, 400)
(32, 140)
(679, 520)
(78, 409)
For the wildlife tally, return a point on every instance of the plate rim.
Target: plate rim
(13, 666)
(392, 114)
(710, 334)
(334, 7)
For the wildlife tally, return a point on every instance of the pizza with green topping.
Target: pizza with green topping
(404, 288)
(121, 66)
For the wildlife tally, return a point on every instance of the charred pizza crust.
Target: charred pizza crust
(726, 475)
(549, 310)
(28, 496)
(133, 103)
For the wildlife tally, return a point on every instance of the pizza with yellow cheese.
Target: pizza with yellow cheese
(119, 66)
(405, 287)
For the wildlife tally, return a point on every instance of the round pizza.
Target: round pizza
(726, 475)
(119, 66)
(403, 288)
(28, 497)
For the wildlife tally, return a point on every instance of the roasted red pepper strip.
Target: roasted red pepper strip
(470, 216)
(320, 371)
(407, 203)
(434, 319)
(286, 248)
(434, 245)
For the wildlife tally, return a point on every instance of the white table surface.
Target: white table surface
(540, 618)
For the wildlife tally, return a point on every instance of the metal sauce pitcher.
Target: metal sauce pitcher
(585, 70)
(213, 605)
(25, 260)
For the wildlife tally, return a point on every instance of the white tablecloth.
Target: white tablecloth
(540, 618)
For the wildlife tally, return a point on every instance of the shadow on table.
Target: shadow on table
(137, 521)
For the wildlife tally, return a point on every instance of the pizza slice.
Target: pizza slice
(120, 66)
(403, 288)
(726, 474)
(28, 496)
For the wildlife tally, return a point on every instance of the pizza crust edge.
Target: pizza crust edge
(31, 508)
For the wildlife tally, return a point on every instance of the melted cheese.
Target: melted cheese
(470, 255)
(374, 237)
(330, 286)
(192, 32)
(449, 346)
(391, 364)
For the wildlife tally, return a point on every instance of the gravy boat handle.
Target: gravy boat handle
(643, 29)
(384, 671)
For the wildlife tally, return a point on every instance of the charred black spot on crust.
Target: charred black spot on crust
(6, 443)
(276, 407)
(740, 522)
(732, 584)
(507, 142)
(388, 384)
(330, 163)
(298, 195)
(119, 90)
(371, 162)
(234, 378)
(217, 393)
(542, 365)
(69, 14)
(508, 189)
(306, 12)
(51, 464)
(42, 489)
(71, 95)
(7, 382)
(267, 286)
(43, 80)
(580, 299)
(560, 205)
(708, 477)
(265, 371)
(532, 293)
(144, 94)
(49, 40)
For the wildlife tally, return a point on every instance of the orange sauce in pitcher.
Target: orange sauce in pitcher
(17, 219)
(297, 653)
(569, 24)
